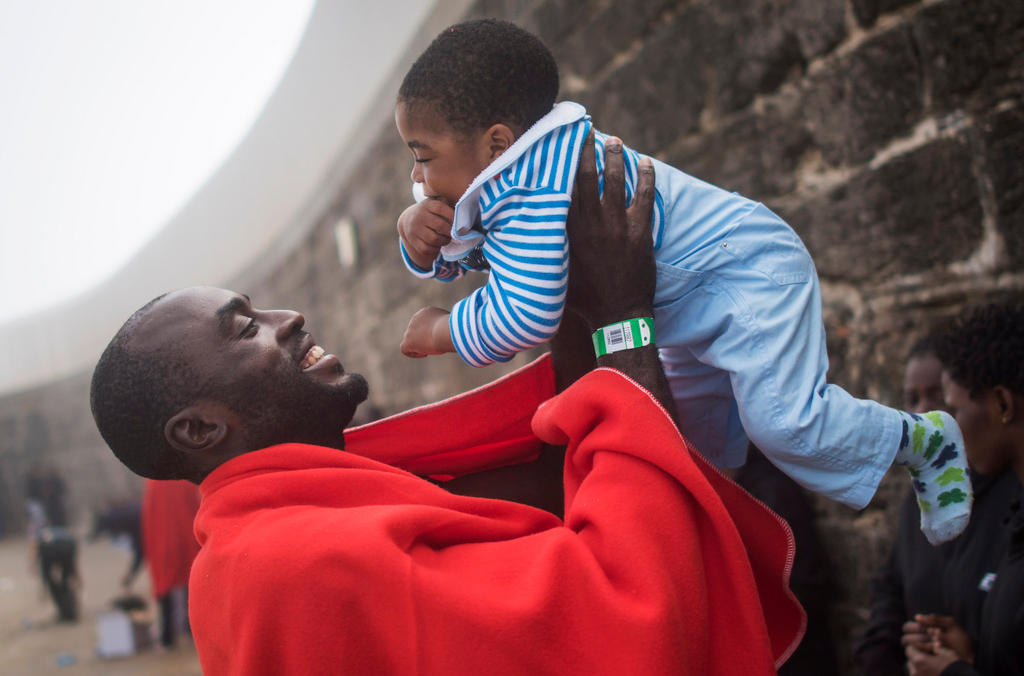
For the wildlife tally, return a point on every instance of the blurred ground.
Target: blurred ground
(32, 644)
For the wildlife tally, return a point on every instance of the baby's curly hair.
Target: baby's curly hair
(484, 72)
(985, 348)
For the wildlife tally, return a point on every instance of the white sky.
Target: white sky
(112, 113)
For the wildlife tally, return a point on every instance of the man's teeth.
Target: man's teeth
(313, 356)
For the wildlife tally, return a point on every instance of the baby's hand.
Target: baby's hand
(427, 334)
(425, 227)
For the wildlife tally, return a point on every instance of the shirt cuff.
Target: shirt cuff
(416, 270)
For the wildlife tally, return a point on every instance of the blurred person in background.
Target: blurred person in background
(982, 357)
(952, 579)
(123, 520)
(168, 510)
(52, 546)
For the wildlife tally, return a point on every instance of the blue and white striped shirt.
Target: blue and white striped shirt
(515, 213)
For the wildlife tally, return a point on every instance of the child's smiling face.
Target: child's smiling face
(445, 161)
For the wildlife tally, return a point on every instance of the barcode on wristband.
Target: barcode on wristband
(616, 339)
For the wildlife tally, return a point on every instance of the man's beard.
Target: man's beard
(287, 406)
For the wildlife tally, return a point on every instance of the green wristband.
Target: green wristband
(625, 335)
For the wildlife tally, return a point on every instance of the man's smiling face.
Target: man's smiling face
(259, 363)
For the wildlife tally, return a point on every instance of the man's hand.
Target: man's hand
(944, 631)
(611, 269)
(915, 635)
(933, 642)
(427, 334)
(611, 251)
(424, 228)
(921, 663)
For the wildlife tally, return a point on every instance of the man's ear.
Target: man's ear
(497, 140)
(198, 428)
(1004, 399)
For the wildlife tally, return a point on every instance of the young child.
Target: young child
(737, 307)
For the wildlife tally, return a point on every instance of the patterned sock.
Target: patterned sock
(932, 450)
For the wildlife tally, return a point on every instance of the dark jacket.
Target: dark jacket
(951, 579)
(1000, 649)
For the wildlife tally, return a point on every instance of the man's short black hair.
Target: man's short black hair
(985, 348)
(484, 72)
(133, 394)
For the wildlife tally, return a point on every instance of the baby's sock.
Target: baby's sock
(932, 450)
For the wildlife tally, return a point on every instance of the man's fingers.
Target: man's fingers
(645, 182)
(943, 621)
(929, 620)
(614, 176)
(643, 201)
(586, 177)
(914, 657)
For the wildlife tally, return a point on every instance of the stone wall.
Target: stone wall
(889, 133)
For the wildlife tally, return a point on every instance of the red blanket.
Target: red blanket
(168, 541)
(316, 561)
